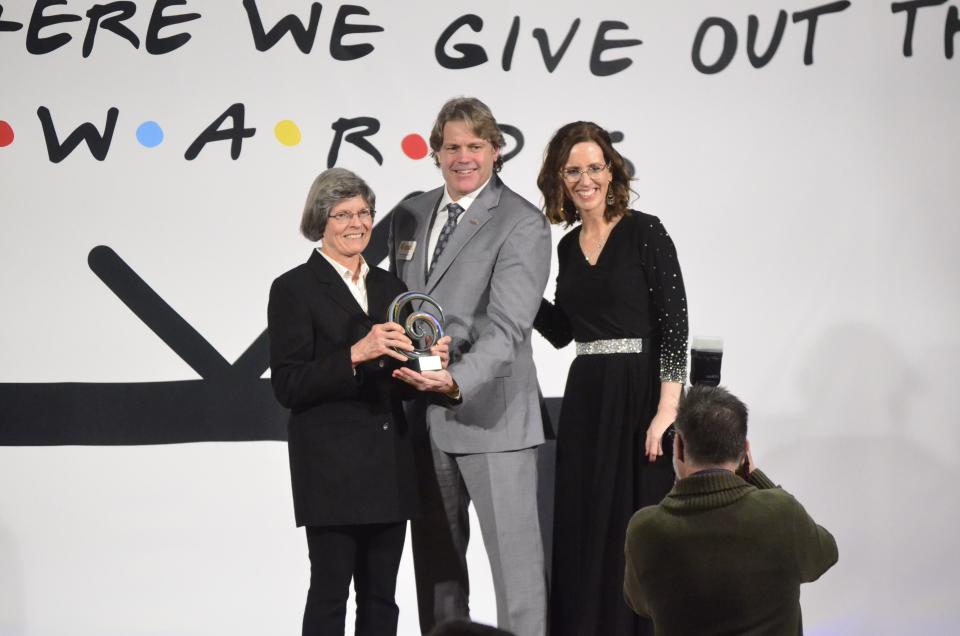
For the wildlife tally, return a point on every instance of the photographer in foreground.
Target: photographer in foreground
(726, 550)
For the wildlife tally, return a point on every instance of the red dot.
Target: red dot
(6, 134)
(414, 146)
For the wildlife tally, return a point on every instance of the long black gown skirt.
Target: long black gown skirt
(603, 477)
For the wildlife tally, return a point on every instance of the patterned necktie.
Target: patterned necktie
(453, 213)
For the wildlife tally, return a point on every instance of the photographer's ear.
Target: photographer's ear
(678, 450)
(746, 462)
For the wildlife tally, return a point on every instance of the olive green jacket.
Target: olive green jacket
(723, 556)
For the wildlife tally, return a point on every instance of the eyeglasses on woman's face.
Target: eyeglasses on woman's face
(365, 215)
(573, 175)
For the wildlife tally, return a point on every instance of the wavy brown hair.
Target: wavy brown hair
(474, 114)
(557, 204)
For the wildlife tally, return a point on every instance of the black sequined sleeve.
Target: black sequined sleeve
(665, 284)
(553, 324)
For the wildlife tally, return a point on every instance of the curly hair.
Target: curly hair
(557, 204)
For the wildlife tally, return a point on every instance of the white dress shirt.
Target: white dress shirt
(359, 288)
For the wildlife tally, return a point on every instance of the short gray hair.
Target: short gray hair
(330, 188)
(712, 422)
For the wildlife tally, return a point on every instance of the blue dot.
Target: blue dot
(149, 134)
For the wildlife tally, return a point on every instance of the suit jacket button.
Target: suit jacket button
(381, 363)
(386, 426)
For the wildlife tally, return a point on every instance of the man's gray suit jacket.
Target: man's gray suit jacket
(489, 281)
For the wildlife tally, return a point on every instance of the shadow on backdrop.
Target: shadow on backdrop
(861, 462)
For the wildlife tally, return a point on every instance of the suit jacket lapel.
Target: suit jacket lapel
(473, 219)
(377, 298)
(335, 287)
(418, 266)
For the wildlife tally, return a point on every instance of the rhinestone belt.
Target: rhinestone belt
(618, 345)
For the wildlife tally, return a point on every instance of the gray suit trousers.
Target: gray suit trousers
(503, 488)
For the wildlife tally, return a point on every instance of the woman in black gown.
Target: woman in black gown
(620, 296)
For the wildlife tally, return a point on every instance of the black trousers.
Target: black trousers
(370, 554)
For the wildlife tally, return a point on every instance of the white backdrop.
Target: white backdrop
(813, 206)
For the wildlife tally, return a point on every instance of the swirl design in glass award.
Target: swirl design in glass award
(422, 319)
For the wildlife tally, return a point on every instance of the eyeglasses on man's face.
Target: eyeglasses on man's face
(365, 215)
(593, 170)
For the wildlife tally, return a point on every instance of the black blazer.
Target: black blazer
(351, 458)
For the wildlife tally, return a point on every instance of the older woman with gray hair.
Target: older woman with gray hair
(351, 459)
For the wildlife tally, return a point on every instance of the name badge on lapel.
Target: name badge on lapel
(406, 250)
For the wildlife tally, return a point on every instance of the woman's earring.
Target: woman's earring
(610, 198)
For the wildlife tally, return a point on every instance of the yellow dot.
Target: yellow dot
(287, 133)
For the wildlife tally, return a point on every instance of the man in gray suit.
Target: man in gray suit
(483, 252)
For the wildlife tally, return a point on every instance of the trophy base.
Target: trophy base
(425, 363)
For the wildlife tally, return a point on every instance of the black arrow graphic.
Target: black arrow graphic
(230, 402)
